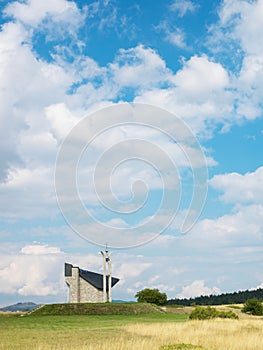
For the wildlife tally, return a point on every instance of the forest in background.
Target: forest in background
(227, 298)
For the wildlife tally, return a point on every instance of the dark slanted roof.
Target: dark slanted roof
(68, 270)
(96, 279)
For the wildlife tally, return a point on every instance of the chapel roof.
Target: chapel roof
(95, 279)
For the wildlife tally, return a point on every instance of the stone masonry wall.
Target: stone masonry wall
(89, 294)
(80, 291)
(74, 285)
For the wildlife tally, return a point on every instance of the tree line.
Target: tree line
(227, 298)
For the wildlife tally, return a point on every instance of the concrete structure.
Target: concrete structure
(107, 278)
(87, 286)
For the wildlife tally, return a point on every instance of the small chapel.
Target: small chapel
(90, 287)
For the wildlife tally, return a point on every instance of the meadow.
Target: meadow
(158, 330)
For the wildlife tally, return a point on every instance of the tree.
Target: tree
(253, 306)
(153, 296)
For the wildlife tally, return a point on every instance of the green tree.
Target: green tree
(253, 306)
(153, 296)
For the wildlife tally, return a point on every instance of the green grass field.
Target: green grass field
(41, 331)
(132, 328)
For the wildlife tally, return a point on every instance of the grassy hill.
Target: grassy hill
(97, 309)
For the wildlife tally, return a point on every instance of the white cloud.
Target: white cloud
(258, 287)
(28, 193)
(242, 227)
(38, 270)
(196, 289)
(27, 86)
(249, 86)
(38, 249)
(181, 7)
(61, 119)
(36, 150)
(198, 93)
(174, 35)
(35, 271)
(33, 12)
(177, 38)
(245, 19)
(240, 27)
(132, 269)
(139, 67)
(201, 77)
(239, 188)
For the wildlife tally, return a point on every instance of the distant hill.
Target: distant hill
(20, 307)
(227, 298)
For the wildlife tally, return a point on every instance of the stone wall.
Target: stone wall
(80, 291)
(73, 283)
(88, 293)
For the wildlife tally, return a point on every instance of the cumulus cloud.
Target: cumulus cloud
(61, 119)
(200, 77)
(244, 17)
(259, 286)
(239, 28)
(27, 86)
(38, 270)
(28, 193)
(243, 227)
(240, 189)
(196, 289)
(139, 67)
(37, 249)
(33, 12)
(198, 93)
(35, 271)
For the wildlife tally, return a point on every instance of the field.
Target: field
(156, 330)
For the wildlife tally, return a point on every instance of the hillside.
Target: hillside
(97, 309)
(20, 307)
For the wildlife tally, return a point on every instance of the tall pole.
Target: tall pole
(104, 277)
(107, 277)
(109, 272)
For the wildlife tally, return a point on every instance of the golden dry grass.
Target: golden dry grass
(245, 334)
(104, 333)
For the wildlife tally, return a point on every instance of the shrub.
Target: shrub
(253, 306)
(181, 346)
(153, 296)
(206, 313)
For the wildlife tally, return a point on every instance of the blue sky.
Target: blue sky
(62, 63)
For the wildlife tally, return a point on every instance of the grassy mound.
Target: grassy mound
(97, 309)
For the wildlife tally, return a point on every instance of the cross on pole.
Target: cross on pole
(107, 277)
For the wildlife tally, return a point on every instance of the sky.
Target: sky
(133, 123)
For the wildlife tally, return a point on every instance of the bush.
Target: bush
(253, 306)
(181, 346)
(153, 296)
(206, 313)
